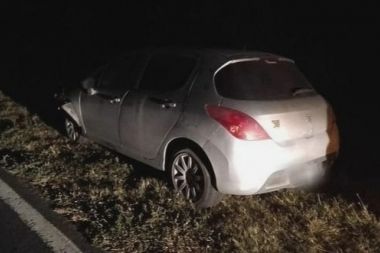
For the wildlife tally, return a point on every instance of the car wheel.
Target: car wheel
(191, 178)
(72, 130)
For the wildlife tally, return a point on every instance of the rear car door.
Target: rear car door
(160, 98)
(101, 111)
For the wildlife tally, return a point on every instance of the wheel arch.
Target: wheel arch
(181, 143)
(70, 111)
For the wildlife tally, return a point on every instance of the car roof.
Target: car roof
(237, 53)
(227, 53)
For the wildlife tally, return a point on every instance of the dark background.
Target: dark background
(49, 44)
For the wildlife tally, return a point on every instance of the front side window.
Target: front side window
(117, 75)
(167, 72)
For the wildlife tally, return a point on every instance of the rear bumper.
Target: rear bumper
(305, 174)
(246, 168)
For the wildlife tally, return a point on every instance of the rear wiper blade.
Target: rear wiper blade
(298, 91)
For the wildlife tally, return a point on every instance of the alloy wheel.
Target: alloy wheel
(187, 176)
(71, 130)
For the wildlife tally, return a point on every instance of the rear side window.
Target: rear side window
(166, 72)
(260, 80)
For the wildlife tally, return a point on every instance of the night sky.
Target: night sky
(48, 44)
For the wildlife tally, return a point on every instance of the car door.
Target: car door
(160, 99)
(101, 111)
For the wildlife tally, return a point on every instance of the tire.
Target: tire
(73, 131)
(191, 178)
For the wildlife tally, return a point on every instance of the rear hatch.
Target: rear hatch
(275, 94)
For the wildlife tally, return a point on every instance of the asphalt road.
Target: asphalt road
(28, 224)
(16, 236)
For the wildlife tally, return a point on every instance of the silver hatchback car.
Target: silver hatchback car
(218, 121)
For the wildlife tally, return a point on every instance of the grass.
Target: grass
(118, 207)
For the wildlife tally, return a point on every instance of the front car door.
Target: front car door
(101, 111)
(160, 99)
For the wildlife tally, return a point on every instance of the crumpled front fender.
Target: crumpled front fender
(70, 110)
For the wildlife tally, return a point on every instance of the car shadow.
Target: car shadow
(355, 174)
(142, 171)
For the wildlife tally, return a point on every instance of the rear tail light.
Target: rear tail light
(333, 132)
(237, 123)
(331, 120)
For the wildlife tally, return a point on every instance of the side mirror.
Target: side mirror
(92, 91)
(89, 85)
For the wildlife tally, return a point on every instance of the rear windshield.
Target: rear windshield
(261, 80)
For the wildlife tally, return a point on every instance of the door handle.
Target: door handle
(165, 103)
(111, 98)
(168, 104)
(115, 100)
